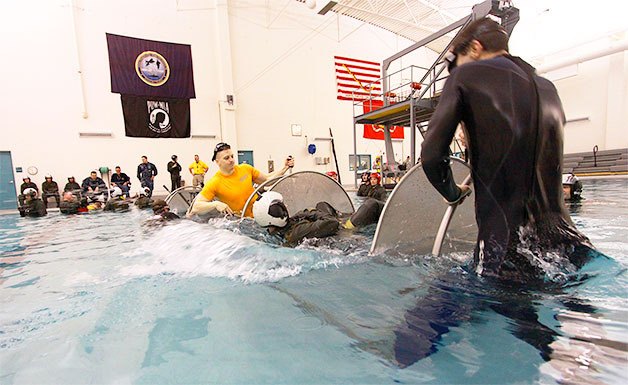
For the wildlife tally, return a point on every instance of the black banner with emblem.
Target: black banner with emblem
(150, 68)
(148, 117)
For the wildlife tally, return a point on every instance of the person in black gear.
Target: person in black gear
(26, 184)
(72, 186)
(513, 121)
(33, 206)
(93, 187)
(270, 212)
(365, 186)
(121, 180)
(174, 168)
(377, 191)
(146, 173)
(71, 204)
(50, 188)
(161, 209)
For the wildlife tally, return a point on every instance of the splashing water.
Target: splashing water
(192, 249)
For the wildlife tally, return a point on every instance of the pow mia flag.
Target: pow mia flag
(156, 117)
(156, 82)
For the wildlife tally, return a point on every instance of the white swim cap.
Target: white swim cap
(30, 191)
(116, 192)
(569, 178)
(269, 210)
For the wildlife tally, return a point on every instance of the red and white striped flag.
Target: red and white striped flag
(357, 79)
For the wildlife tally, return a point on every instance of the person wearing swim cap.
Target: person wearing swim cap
(572, 188)
(333, 175)
(33, 206)
(377, 191)
(231, 185)
(513, 121)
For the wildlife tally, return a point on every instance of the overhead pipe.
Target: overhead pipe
(615, 47)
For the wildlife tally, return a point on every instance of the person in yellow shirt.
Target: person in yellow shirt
(231, 185)
(198, 168)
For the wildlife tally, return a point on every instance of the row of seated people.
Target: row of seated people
(75, 203)
(92, 187)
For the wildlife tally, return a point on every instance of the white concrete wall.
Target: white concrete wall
(275, 57)
(281, 73)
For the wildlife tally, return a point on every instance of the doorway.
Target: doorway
(8, 199)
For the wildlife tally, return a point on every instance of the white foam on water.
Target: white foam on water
(192, 249)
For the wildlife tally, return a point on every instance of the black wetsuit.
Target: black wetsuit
(516, 158)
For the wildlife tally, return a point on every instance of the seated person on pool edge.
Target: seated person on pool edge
(231, 185)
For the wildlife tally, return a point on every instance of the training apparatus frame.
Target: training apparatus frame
(411, 102)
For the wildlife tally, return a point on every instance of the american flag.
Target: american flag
(357, 79)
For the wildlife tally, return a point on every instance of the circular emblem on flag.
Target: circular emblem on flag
(159, 121)
(152, 68)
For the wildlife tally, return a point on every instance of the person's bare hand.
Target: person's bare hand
(223, 208)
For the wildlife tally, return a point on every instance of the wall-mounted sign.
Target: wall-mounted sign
(296, 130)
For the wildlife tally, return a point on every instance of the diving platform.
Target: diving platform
(409, 96)
(400, 114)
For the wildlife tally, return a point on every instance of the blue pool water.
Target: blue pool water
(104, 299)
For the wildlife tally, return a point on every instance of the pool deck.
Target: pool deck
(348, 188)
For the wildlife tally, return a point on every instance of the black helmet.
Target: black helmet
(173, 157)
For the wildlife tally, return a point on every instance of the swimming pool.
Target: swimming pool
(103, 299)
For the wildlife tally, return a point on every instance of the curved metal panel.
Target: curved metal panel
(257, 189)
(413, 213)
(181, 199)
(304, 189)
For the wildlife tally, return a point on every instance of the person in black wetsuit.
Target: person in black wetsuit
(513, 121)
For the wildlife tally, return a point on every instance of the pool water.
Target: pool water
(104, 299)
